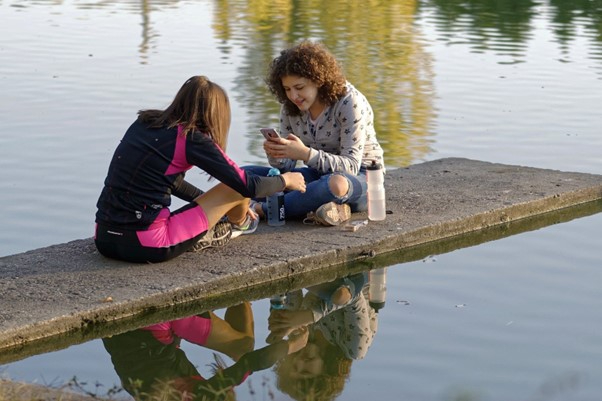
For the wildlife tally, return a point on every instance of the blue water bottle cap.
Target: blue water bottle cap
(273, 171)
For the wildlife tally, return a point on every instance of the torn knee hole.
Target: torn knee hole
(338, 184)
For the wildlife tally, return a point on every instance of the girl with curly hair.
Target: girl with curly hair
(326, 124)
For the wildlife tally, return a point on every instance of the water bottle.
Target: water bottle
(377, 292)
(277, 301)
(376, 192)
(275, 204)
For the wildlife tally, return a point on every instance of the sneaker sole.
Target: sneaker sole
(337, 214)
(218, 235)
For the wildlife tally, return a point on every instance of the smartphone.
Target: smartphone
(269, 133)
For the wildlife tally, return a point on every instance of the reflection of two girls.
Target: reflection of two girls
(341, 326)
(151, 364)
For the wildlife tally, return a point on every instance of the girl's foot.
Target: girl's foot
(246, 227)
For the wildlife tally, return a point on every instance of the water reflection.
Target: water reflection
(505, 27)
(143, 7)
(383, 51)
(314, 337)
(151, 364)
(500, 26)
(380, 48)
(342, 324)
(149, 34)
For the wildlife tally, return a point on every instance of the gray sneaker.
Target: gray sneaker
(216, 236)
(329, 214)
(249, 226)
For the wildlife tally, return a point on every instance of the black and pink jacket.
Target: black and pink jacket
(149, 165)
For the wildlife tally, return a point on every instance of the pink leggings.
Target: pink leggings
(195, 329)
(170, 235)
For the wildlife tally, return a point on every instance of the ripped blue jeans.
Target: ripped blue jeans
(317, 193)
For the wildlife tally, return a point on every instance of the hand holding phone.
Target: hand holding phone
(269, 133)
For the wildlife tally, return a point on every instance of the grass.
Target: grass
(14, 391)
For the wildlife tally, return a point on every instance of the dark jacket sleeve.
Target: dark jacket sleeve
(185, 190)
(253, 361)
(202, 152)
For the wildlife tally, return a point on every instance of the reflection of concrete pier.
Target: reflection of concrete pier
(69, 293)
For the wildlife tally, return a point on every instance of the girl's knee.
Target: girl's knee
(338, 184)
(341, 296)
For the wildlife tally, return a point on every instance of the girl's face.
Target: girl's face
(304, 93)
(306, 363)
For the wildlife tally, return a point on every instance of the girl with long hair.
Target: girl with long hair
(133, 220)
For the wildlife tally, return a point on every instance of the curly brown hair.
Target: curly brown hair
(325, 386)
(311, 60)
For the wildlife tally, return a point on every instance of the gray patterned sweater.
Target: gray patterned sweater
(342, 139)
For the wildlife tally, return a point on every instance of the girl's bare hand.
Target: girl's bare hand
(290, 147)
(252, 213)
(288, 319)
(294, 181)
(272, 147)
(297, 339)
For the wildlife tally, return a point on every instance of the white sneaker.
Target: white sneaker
(218, 235)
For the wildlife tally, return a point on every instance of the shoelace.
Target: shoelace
(311, 219)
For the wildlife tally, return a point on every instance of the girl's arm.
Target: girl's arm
(202, 152)
(185, 190)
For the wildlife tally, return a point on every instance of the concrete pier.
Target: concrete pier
(69, 293)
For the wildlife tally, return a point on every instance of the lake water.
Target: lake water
(518, 318)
